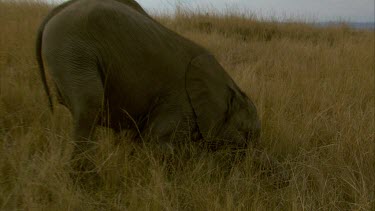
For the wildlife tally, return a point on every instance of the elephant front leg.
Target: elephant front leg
(168, 125)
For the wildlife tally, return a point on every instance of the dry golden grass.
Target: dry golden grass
(314, 89)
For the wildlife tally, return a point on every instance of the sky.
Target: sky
(310, 10)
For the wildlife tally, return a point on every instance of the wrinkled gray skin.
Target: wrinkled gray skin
(111, 61)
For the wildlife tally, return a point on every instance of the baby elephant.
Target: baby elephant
(112, 63)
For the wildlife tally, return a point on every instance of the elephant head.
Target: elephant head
(222, 110)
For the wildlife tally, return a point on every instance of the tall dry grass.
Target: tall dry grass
(313, 87)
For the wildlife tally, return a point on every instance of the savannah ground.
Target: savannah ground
(314, 90)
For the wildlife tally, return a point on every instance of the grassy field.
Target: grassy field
(314, 90)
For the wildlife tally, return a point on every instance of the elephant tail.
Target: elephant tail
(38, 48)
(39, 59)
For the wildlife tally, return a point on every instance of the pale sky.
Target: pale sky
(314, 10)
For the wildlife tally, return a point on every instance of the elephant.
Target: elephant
(112, 64)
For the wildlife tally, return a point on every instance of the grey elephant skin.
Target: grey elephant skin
(113, 65)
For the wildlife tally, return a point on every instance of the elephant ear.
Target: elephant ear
(209, 90)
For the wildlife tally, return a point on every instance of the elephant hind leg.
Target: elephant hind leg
(74, 69)
(79, 82)
(85, 120)
(82, 91)
(86, 108)
(86, 105)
